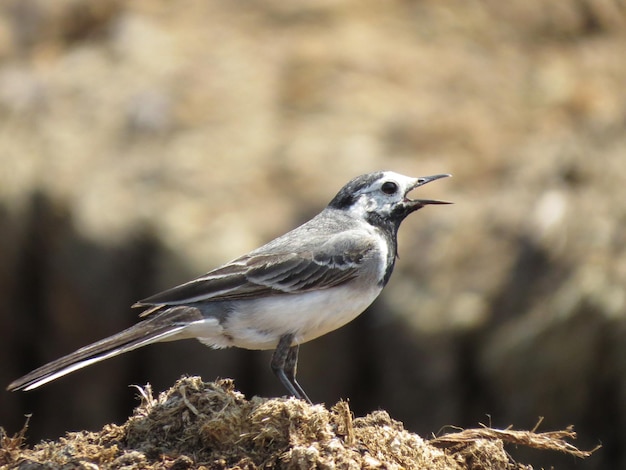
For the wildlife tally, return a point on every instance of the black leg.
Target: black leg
(291, 366)
(284, 364)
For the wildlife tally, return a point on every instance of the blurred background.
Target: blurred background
(143, 143)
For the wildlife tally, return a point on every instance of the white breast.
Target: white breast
(260, 323)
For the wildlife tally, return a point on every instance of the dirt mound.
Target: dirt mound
(196, 424)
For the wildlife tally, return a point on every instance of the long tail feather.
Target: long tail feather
(160, 327)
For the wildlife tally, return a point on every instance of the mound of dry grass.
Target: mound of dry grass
(196, 424)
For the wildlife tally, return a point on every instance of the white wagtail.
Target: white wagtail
(302, 285)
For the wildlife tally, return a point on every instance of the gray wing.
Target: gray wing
(260, 275)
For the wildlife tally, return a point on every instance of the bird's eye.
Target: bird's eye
(389, 187)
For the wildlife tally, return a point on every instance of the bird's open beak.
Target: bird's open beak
(415, 204)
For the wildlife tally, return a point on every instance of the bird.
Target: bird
(298, 287)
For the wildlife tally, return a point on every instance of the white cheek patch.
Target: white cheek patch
(372, 205)
(364, 205)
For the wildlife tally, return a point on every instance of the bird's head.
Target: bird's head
(383, 194)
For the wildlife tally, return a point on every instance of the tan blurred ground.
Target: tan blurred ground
(142, 143)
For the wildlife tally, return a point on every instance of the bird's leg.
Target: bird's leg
(284, 363)
(291, 366)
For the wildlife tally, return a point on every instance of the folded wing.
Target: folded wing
(268, 274)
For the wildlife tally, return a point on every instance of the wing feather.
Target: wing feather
(261, 275)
